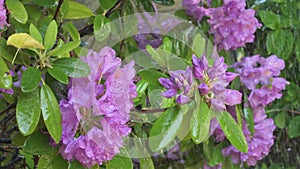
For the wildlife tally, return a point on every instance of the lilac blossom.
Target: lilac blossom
(258, 145)
(213, 82)
(2, 15)
(95, 115)
(178, 85)
(232, 25)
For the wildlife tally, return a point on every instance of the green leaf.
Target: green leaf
(280, 120)
(146, 163)
(65, 48)
(52, 161)
(50, 36)
(294, 128)
(51, 113)
(232, 131)
(58, 75)
(30, 80)
(72, 67)
(34, 32)
(75, 10)
(200, 122)
(280, 43)
(199, 45)
(270, 19)
(23, 40)
(44, 2)
(120, 162)
(248, 114)
(156, 56)
(28, 112)
(147, 5)
(101, 28)
(217, 156)
(151, 76)
(6, 78)
(106, 5)
(165, 2)
(69, 27)
(17, 10)
(165, 128)
(37, 144)
(75, 165)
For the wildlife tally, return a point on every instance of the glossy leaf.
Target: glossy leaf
(294, 128)
(75, 165)
(17, 10)
(106, 5)
(30, 80)
(232, 131)
(71, 29)
(200, 123)
(44, 2)
(199, 45)
(8, 53)
(72, 67)
(280, 120)
(23, 40)
(50, 36)
(58, 75)
(51, 113)
(146, 163)
(151, 76)
(37, 144)
(248, 114)
(34, 32)
(270, 19)
(5, 76)
(52, 161)
(75, 10)
(164, 2)
(280, 43)
(165, 128)
(101, 28)
(119, 162)
(28, 112)
(65, 48)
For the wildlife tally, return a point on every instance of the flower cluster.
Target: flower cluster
(181, 81)
(259, 71)
(195, 8)
(95, 115)
(2, 15)
(232, 25)
(213, 83)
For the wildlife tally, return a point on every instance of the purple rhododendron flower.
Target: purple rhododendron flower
(258, 145)
(180, 82)
(232, 25)
(2, 15)
(213, 82)
(95, 115)
(193, 9)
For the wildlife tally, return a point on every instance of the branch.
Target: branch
(57, 9)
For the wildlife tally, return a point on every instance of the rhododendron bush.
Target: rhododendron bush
(149, 84)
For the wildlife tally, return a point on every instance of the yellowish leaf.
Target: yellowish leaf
(24, 40)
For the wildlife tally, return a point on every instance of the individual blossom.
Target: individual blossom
(195, 8)
(178, 85)
(2, 15)
(232, 25)
(95, 114)
(213, 82)
(259, 143)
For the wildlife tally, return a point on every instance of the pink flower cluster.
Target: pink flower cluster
(95, 115)
(232, 25)
(2, 15)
